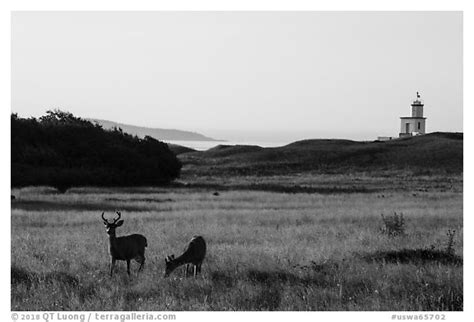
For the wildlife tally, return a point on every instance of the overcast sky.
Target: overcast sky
(242, 75)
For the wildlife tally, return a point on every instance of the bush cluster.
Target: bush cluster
(393, 225)
(62, 151)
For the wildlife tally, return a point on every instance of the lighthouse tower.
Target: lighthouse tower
(416, 123)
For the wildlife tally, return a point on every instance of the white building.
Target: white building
(416, 123)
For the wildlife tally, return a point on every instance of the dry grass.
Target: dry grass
(266, 251)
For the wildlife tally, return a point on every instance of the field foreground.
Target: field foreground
(266, 250)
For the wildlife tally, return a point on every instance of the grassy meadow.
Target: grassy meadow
(266, 250)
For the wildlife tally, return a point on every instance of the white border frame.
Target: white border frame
(6, 7)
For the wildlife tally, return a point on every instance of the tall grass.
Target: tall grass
(266, 251)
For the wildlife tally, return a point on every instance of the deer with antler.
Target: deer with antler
(193, 255)
(124, 248)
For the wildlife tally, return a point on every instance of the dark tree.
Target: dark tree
(63, 151)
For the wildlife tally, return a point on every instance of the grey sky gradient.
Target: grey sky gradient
(242, 75)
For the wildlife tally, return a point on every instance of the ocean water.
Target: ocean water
(206, 145)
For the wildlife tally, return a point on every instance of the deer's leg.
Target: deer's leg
(186, 270)
(142, 263)
(112, 265)
(199, 268)
(128, 267)
(194, 270)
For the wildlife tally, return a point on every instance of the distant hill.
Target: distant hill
(426, 154)
(159, 134)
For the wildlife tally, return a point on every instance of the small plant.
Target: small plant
(450, 243)
(393, 225)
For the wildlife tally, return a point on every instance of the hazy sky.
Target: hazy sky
(242, 75)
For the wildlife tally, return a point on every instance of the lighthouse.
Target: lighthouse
(416, 123)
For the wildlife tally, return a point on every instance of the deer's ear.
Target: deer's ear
(172, 256)
(119, 223)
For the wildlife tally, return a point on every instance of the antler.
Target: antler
(118, 213)
(103, 218)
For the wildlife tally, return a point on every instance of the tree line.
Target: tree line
(63, 151)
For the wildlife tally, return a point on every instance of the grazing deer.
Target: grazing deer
(193, 255)
(124, 248)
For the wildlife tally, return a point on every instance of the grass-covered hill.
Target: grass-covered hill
(179, 149)
(427, 154)
(63, 151)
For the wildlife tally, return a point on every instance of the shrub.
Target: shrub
(450, 243)
(393, 225)
(62, 151)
